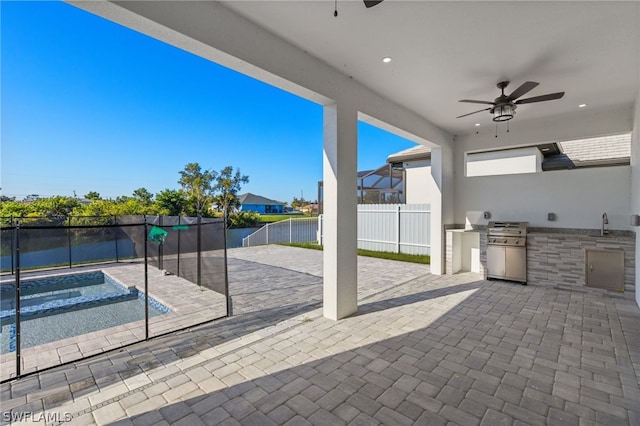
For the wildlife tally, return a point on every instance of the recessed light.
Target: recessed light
(582, 105)
(386, 59)
(477, 124)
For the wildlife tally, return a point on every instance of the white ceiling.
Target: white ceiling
(446, 51)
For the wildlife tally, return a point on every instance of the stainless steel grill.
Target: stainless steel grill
(507, 251)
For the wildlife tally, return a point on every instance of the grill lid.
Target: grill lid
(507, 229)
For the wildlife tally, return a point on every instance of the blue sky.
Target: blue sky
(89, 105)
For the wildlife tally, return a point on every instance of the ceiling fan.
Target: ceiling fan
(504, 107)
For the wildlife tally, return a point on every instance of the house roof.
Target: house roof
(250, 198)
(600, 151)
(419, 152)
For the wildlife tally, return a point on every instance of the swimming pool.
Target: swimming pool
(63, 306)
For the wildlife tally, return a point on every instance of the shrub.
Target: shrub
(244, 219)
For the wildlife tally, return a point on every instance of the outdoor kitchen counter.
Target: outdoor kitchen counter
(557, 256)
(462, 251)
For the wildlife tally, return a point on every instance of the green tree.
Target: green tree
(132, 206)
(92, 195)
(58, 206)
(14, 208)
(144, 196)
(96, 208)
(170, 202)
(197, 185)
(228, 184)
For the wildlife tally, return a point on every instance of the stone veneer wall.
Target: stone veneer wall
(559, 258)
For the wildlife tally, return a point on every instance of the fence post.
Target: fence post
(178, 267)
(226, 267)
(161, 247)
(398, 229)
(290, 230)
(320, 230)
(69, 239)
(18, 333)
(146, 282)
(199, 248)
(12, 244)
(267, 230)
(115, 235)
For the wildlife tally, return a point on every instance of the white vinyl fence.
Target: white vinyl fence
(399, 228)
(287, 231)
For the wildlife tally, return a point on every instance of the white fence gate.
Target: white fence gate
(399, 228)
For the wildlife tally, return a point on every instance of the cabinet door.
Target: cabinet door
(516, 263)
(495, 261)
(605, 269)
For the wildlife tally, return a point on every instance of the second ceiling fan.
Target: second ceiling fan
(504, 106)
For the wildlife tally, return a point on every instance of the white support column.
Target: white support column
(635, 187)
(441, 187)
(340, 211)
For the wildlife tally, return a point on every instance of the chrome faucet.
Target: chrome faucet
(605, 221)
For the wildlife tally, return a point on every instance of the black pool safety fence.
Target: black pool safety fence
(75, 287)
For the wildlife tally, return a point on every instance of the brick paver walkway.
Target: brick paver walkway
(423, 349)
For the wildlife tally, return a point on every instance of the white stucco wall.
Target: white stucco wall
(419, 185)
(512, 161)
(577, 197)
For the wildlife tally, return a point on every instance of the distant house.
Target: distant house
(258, 204)
(311, 209)
(416, 166)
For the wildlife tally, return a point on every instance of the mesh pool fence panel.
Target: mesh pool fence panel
(83, 282)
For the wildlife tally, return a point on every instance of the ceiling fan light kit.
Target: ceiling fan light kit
(503, 112)
(504, 107)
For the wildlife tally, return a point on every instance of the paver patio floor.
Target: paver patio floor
(423, 349)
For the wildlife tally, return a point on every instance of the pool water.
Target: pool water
(69, 305)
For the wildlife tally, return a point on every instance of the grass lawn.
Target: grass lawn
(403, 257)
(270, 218)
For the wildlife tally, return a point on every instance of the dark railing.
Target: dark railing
(77, 286)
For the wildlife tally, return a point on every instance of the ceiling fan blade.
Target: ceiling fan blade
(541, 98)
(486, 109)
(524, 88)
(371, 3)
(471, 101)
